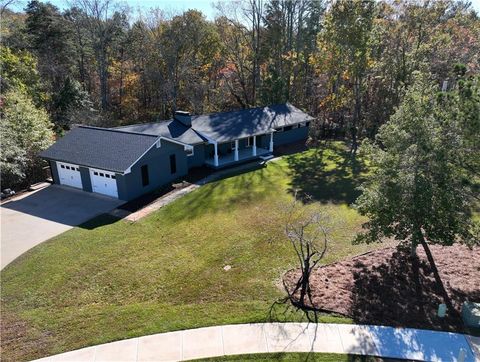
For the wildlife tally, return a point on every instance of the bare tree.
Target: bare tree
(103, 20)
(306, 229)
(254, 14)
(5, 4)
(246, 18)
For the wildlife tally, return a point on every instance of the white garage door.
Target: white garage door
(69, 174)
(104, 182)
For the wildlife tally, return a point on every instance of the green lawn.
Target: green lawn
(111, 279)
(293, 357)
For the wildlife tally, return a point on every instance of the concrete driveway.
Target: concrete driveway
(32, 219)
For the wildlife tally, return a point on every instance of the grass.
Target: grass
(110, 279)
(293, 357)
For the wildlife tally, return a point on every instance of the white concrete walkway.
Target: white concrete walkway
(281, 337)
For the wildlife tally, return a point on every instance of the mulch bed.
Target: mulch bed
(382, 287)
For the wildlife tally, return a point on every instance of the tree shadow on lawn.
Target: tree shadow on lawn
(327, 174)
(402, 293)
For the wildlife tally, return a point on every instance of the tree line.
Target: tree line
(346, 62)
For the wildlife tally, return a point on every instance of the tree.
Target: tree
(464, 105)
(417, 193)
(409, 37)
(51, 39)
(13, 159)
(235, 75)
(290, 38)
(4, 4)
(73, 105)
(84, 57)
(104, 22)
(27, 130)
(306, 228)
(19, 71)
(190, 47)
(345, 52)
(243, 47)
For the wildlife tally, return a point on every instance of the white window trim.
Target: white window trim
(110, 173)
(76, 167)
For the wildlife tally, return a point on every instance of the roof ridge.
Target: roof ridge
(117, 130)
(140, 124)
(195, 116)
(243, 109)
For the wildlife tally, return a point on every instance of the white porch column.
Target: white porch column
(254, 148)
(236, 151)
(215, 157)
(271, 142)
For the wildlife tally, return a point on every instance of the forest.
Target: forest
(349, 63)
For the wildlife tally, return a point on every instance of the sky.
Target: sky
(175, 6)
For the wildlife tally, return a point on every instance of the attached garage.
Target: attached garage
(69, 174)
(108, 162)
(104, 182)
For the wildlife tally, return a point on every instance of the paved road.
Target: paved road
(398, 343)
(30, 220)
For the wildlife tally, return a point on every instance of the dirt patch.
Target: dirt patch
(19, 339)
(384, 286)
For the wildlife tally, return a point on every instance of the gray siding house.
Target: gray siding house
(127, 162)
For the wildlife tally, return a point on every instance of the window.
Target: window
(95, 173)
(107, 175)
(249, 141)
(68, 167)
(307, 124)
(287, 128)
(173, 164)
(232, 145)
(101, 174)
(279, 129)
(113, 176)
(78, 169)
(62, 166)
(145, 180)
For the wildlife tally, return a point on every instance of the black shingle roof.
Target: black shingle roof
(227, 126)
(172, 129)
(102, 148)
(116, 149)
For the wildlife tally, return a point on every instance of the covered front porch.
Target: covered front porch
(243, 155)
(239, 150)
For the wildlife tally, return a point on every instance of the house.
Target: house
(126, 162)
